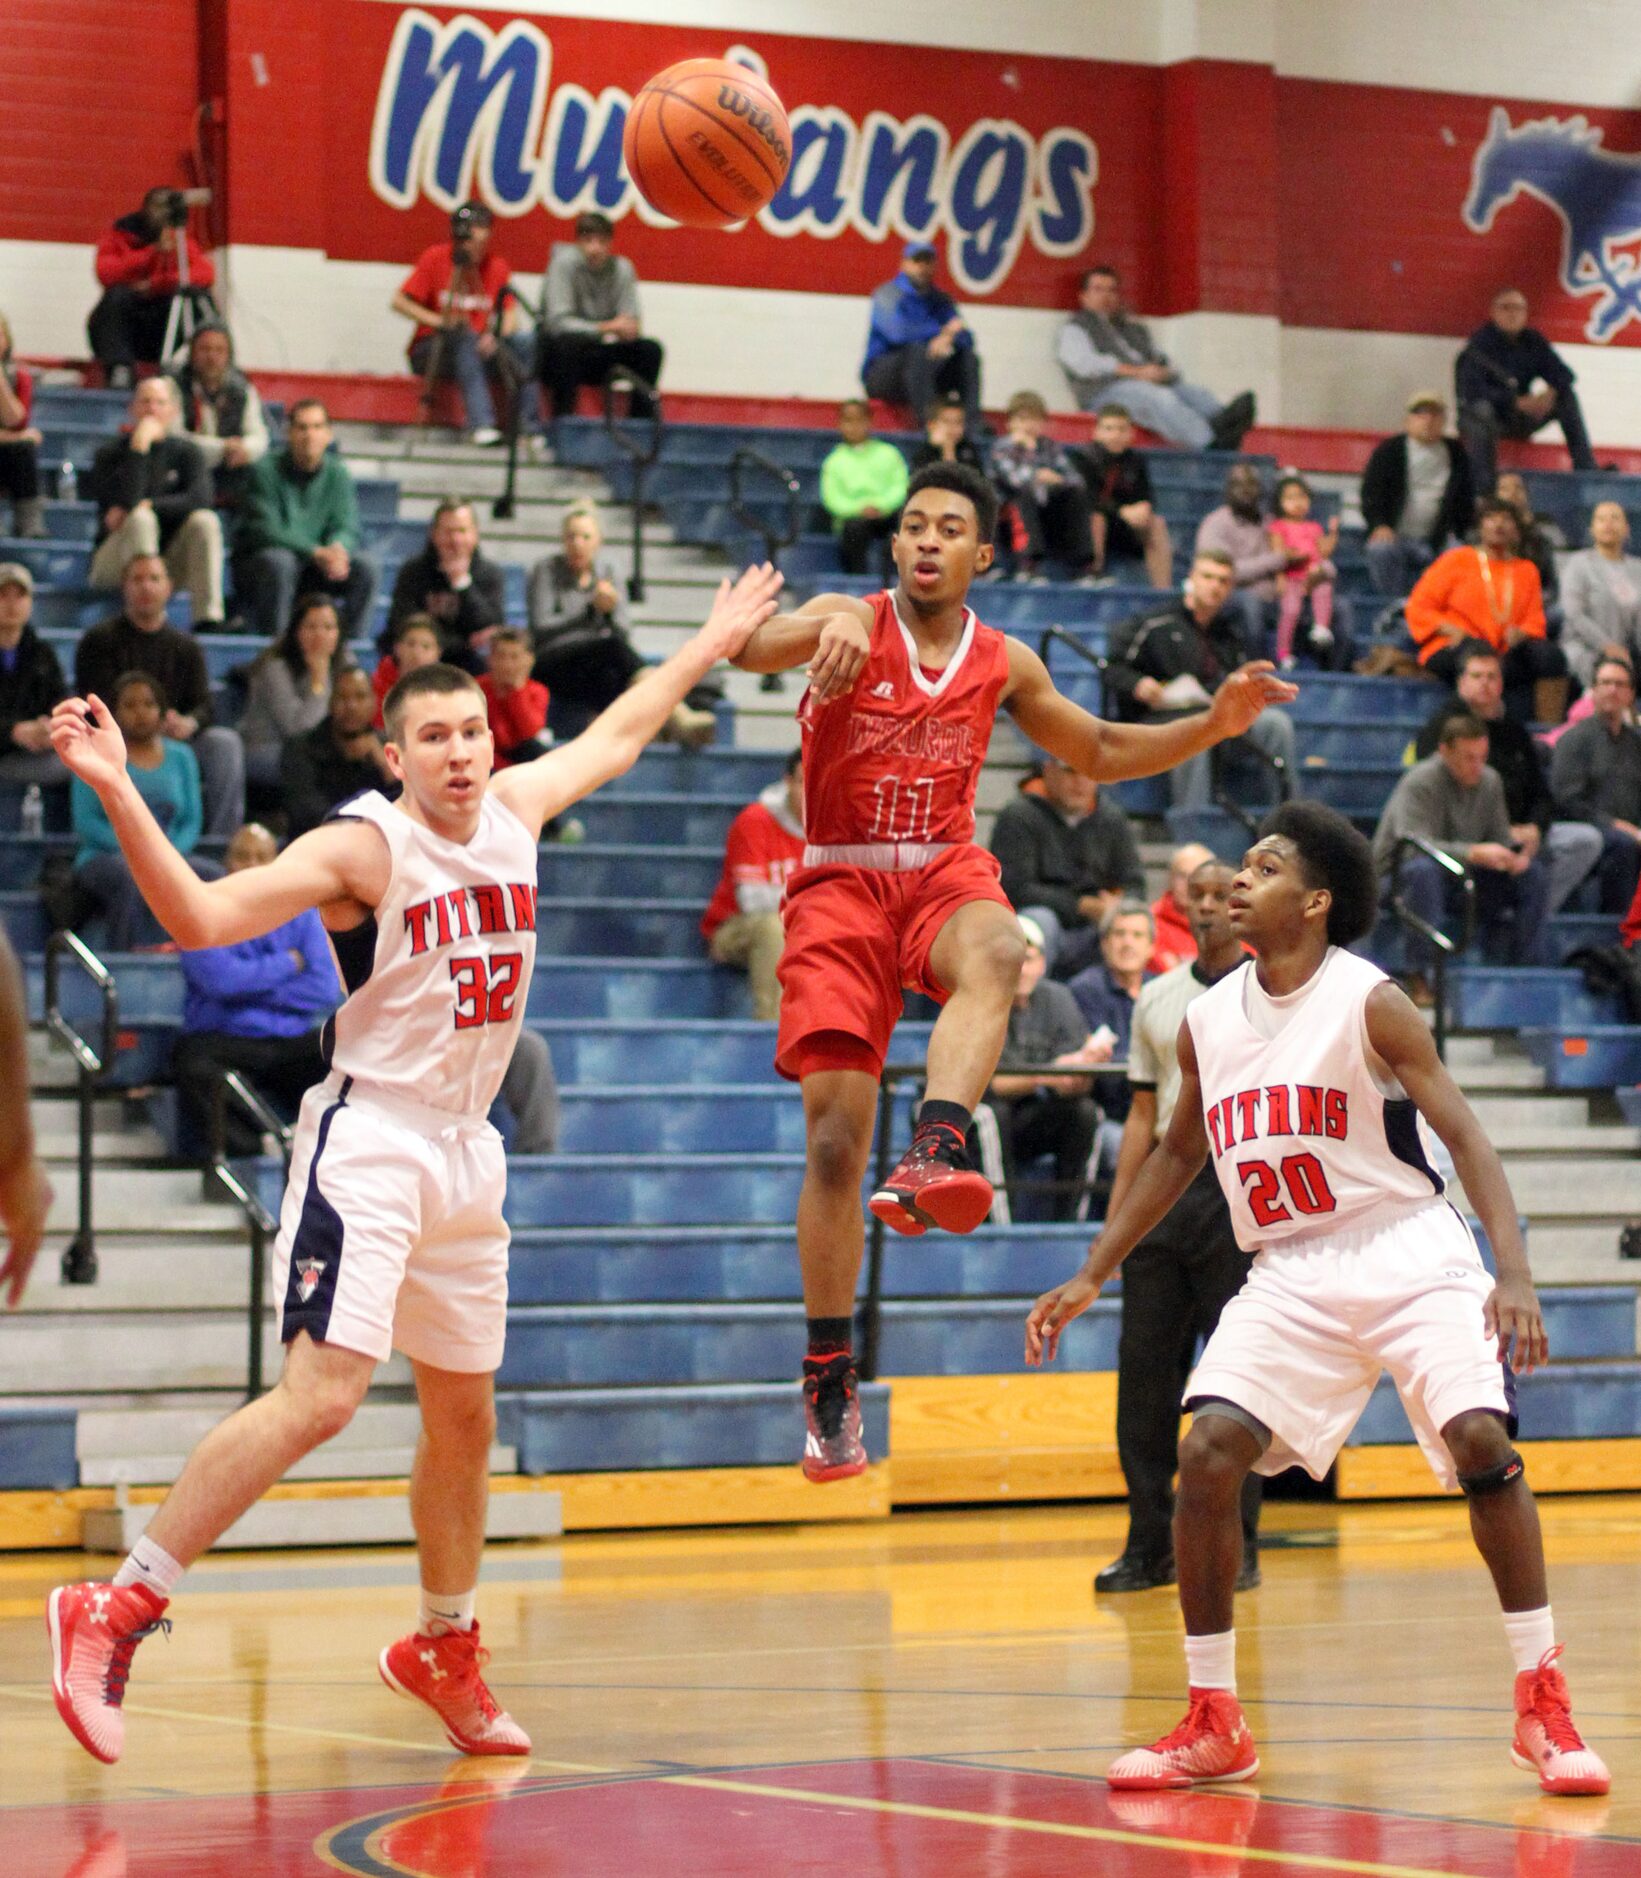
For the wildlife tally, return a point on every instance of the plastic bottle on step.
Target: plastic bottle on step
(68, 484)
(32, 824)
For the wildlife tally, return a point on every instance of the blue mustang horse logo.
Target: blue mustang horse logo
(1595, 192)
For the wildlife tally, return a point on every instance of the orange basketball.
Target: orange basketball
(707, 142)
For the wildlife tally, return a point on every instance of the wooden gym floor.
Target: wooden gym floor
(932, 1694)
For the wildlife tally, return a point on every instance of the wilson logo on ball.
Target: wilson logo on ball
(758, 119)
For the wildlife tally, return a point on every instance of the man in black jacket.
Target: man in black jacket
(1570, 849)
(451, 580)
(154, 496)
(1595, 776)
(1494, 378)
(1417, 496)
(31, 684)
(1171, 661)
(1066, 856)
(338, 759)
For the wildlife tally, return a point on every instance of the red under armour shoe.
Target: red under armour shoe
(1547, 1742)
(1212, 1743)
(832, 1447)
(444, 1672)
(935, 1184)
(95, 1630)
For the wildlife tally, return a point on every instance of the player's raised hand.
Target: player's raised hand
(86, 738)
(1245, 694)
(840, 656)
(738, 611)
(1052, 1312)
(1512, 1314)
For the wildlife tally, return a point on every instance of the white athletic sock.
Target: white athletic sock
(447, 1610)
(1531, 1633)
(150, 1565)
(1210, 1662)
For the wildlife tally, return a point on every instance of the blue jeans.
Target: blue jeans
(1190, 782)
(461, 361)
(1511, 910)
(1181, 413)
(1394, 566)
(267, 582)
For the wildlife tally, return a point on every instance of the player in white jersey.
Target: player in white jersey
(1308, 1074)
(391, 1235)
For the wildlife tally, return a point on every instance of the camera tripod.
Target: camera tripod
(184, 318)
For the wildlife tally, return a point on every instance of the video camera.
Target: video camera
(464, 221)
(174, 204)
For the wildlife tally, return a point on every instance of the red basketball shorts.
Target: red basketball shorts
(856, 935)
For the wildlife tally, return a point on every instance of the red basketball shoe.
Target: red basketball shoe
(444, 1672)
(935, 1184)
(1212, 1743)
(832, 1447)
(1546, 1740)
(95, 1630)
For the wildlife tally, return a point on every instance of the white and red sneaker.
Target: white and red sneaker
(1547, 1742)
(444, 1672)
(935, 1184)
(1213, 1743)
(95, 1630)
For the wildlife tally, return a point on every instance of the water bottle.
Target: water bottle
(68, 484)
(34, 813)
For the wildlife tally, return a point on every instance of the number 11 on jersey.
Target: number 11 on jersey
(905, 810)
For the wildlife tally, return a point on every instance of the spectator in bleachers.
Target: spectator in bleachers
(1310, 575)
(1170, 661)
(220, 413)
(1127, 526)
(1047, 499)
(1066, 857)
(338, 759)
(1417, 496)
(167, 778)
(515, 703)
(1106, 993)
(137, 268)
(945, 441)
(1489, 593)
(1455, 802)
(1540, 537)
(1494, 378)
(1241, 528)
(417, 641)
(1601, 596)
(258, 1007)
(1045, 1115)
(1595, 776)
(299, 531)
(742, 924)
(862, 485)
(452, 580)
(141, 639)
(590, 319)
(153, 494)
(578, 620)
(31, 685)
(467, 318)
(289, 686)
(1109, 357)
(919, 346)
(1170, 912)
(1570, 849)
(19, 443)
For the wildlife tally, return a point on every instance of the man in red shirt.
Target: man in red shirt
(742, 924)
(137, 268)
(515, 703)
(467, 318)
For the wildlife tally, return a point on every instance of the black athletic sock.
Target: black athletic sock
(830, 1336)
(947, 1115)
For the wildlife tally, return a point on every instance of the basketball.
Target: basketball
(707, 143)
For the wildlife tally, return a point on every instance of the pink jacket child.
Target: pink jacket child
(1309, 571)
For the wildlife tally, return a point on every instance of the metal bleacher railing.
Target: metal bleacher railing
(92, 1063)
(1443, 944)
(230, 1087)
(640, 443)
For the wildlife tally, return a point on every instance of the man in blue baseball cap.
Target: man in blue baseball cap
(919, 351)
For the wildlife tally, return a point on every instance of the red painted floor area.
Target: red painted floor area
(911, 1819)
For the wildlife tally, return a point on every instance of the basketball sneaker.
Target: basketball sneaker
(1547, 1742)
(444, 1672)
(935, 1184)
(1212, 1743)
(95, 1630)
(832, 1447)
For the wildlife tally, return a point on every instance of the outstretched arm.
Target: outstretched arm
(831, 634)
(1116, 752)
(1168, 1170)
(1401, 1039)
(617, 737)
(25, 1193)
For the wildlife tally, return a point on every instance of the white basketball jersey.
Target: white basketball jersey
(1304, 1140)
(437, 981)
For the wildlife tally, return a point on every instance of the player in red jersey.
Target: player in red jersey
(903, 691)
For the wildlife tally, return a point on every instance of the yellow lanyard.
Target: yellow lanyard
(1500, 617)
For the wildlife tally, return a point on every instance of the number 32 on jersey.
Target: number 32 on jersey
(485, 988)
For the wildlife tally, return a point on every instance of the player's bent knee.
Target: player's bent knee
(1213, 1457)
(997, 955)
(837, 1150)
(1478, 1442)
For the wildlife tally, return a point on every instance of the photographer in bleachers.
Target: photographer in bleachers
(138, 268)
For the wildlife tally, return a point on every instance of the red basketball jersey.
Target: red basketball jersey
(898, 757)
